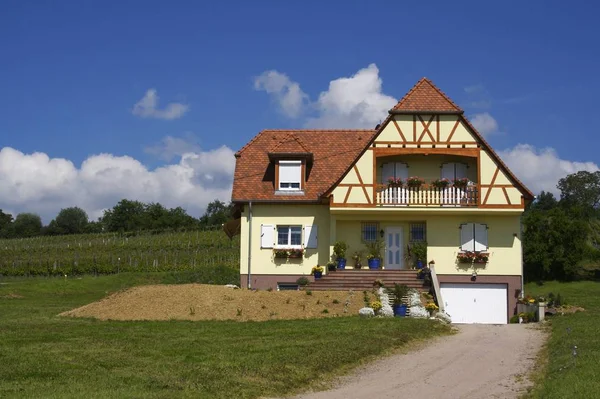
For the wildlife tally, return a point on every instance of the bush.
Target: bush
(302, 281)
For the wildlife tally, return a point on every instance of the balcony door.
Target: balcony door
(394, 248)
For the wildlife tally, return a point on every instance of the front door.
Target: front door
(394, 248)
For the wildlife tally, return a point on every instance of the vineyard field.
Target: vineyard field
(115, 253)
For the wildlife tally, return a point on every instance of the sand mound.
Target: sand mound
(212, 302)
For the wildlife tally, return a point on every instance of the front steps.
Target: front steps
(360, 280)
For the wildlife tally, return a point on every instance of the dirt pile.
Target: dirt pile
(211, 302)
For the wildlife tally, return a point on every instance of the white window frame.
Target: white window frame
(289, 236)
(482, 241)
(288, 185)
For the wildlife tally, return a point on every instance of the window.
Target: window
(290, 175)
(287, 287)
(289, 236)
(370, 230)
(453, 171)
(417, 232)
(473, 237)
(394, 169)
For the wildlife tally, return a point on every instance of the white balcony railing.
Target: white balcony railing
(427, 195)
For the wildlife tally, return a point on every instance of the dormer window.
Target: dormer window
(290, 175)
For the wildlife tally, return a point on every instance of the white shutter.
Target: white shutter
(266, 235)
(461, 170)
(467, 239)
(387, 171)
(448, 171)
(310, 236)
(481, 237)
(290, 171)
(402, 171)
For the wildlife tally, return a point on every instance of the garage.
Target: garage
(475, 303)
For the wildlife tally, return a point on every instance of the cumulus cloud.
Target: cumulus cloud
(171, 147)
(286, 93)
(350, 102)
(44, 185)
(147, 107)
(485, 123)
(540, 169)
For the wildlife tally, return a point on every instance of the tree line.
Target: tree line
(561, 238)
(125, 216)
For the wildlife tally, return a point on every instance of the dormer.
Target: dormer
(291, 159)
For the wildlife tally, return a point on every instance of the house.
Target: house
(303, 190)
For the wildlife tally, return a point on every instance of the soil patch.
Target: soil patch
(212, 302)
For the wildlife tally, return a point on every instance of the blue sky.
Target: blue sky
(72, 71)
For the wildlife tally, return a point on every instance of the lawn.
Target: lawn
(566, 375)
(43, 355)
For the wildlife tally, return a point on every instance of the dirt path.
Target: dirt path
(480, 361)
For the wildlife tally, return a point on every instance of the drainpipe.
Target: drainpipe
(522, 257)
(249, 244)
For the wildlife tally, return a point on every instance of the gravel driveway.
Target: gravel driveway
(481, 361)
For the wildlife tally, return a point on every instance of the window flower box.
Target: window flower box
(481, 258)
(440, 183)
(465, 257)
(461, 183)
(394, 182)
(286, 253)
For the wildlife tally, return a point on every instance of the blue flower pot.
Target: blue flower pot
(399, 310)
(419, 264)
(341, 263)
(374, 263)
(318, 275)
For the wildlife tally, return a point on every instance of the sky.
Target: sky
(104, 100)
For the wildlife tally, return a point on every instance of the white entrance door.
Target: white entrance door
(394, 248)
(475, 303)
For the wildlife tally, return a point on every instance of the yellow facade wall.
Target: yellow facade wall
(263, 261)
(443, 239)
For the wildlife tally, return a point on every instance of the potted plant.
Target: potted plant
(295, 253)
(400, 291)
(339, 250)
(280, 253)
(441, 183)
(414, 182)
(357, 258)
(461, 183)
(431, 307)
(419, 251)
(394, 181)
(378, 283)
(374, 249)
(331, 265)
(317, 271)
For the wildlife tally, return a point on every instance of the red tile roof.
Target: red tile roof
(333, 151)
(291, 144)
(425, 96)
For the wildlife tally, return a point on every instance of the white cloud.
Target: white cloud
(287, 93)
(171, 147)
(350, 102)
(37, 183)
(485, 123)
(147, 108)
(540, 169)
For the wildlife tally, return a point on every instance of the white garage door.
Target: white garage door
(475, 303)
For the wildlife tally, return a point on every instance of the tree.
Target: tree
(545, 201)
(72, 220)
(581, 188)
(6, 220)
(125, 216)
(217, 213)
(27, 225)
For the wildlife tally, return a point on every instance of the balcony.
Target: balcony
(427, 196)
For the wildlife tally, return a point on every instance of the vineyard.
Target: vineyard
(116, 253)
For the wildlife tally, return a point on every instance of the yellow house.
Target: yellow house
(425, 175)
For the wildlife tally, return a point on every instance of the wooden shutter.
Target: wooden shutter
(448, 171)
(267, 233)
(402, 171)
(467, 237)
(387, 170)
(481, 237)
(310, 236)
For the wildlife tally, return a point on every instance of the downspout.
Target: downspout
(522, 257)
(249, 244)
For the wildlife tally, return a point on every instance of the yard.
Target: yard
(564, 374)
(44, 355)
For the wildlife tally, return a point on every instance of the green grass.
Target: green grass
(42, 355)
(563, 375)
